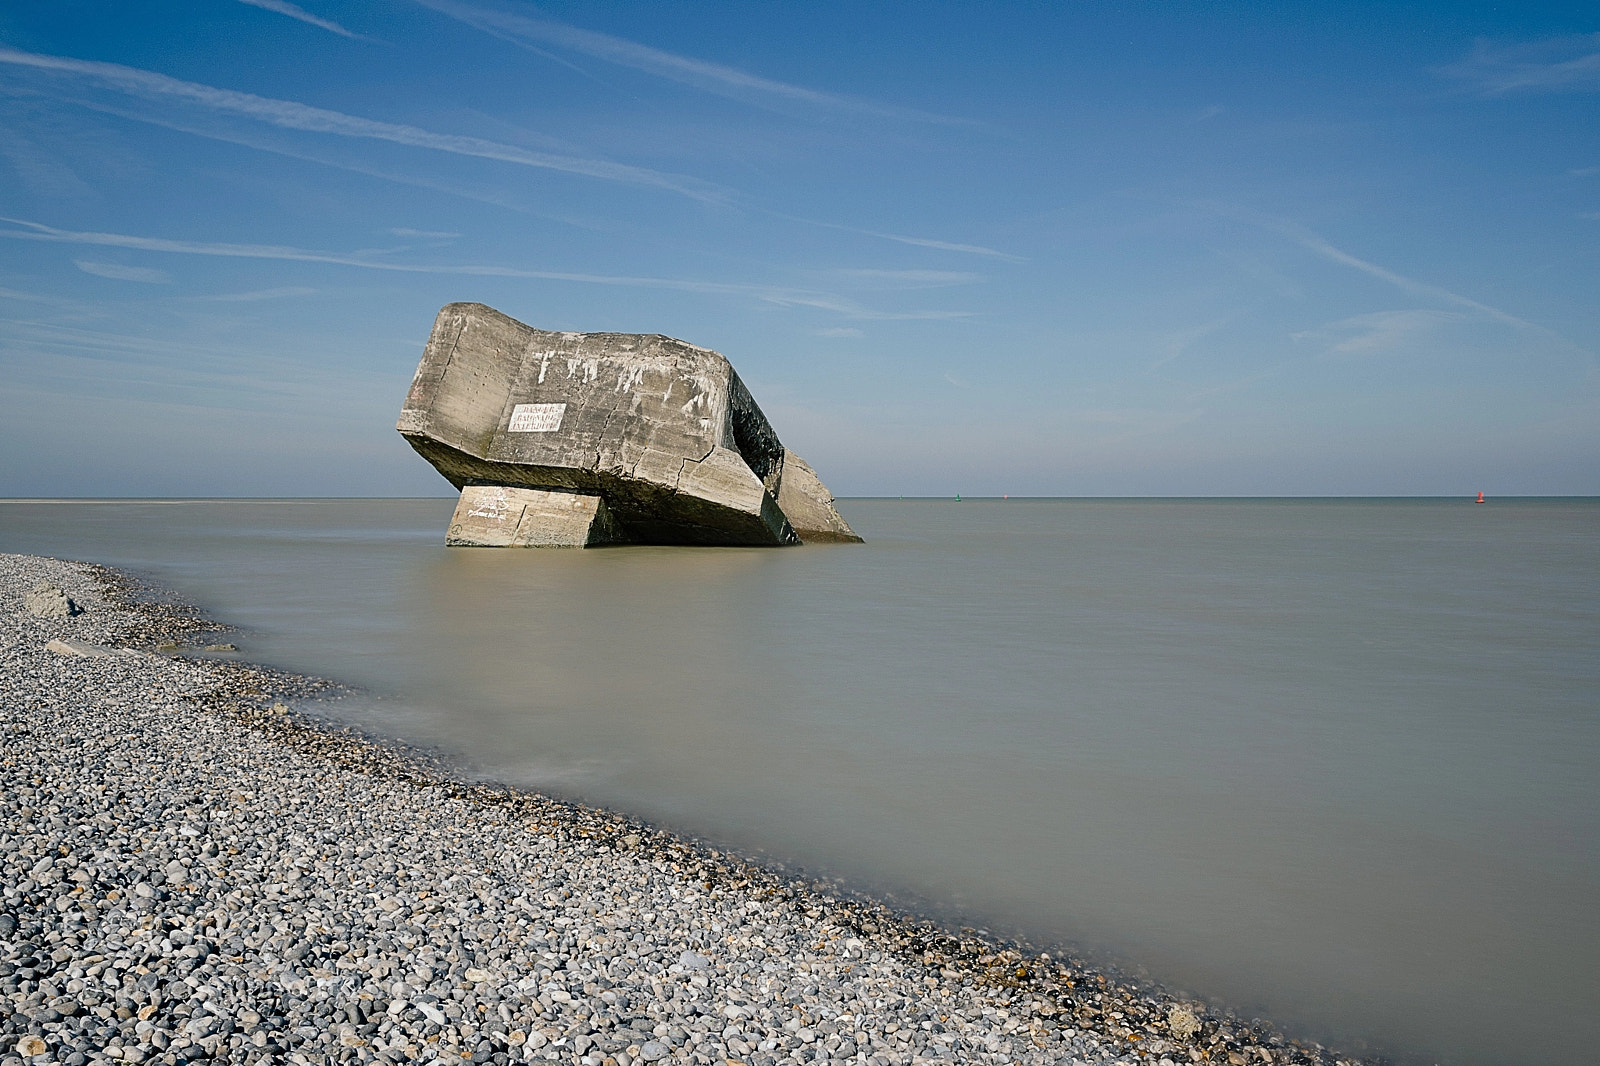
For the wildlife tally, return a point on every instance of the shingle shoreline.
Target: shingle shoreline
(193, 872)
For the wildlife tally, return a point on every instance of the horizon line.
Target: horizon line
(951, 498)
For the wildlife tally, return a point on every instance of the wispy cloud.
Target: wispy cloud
(523, 30)
(781, 296)
(119, 272)
(283, 8)
(442, 235)
(1317, 245)
(823, 301)
(1313, 243)
(1377, 333)
(287, 114)
(258, 294)
(912, 278)
(1558, 64)
(840, 331)
(76, 362)
(42, 173)
(1180, 343)
(944, 246)
(917, 242)
(1382, 332)
(262, 141)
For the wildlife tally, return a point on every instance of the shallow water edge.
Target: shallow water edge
(230, 879)
(1331, 760)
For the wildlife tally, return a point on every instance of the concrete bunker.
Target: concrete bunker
(585, 439)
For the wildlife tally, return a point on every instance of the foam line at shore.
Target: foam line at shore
(194, 872)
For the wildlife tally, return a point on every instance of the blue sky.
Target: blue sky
(1047, 249)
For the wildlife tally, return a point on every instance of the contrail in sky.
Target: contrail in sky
(1316, 244)
(282, 7)
(290, 115)
(711, 77)
(784, 297)
(1311, 242)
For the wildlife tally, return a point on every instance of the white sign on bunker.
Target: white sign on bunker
(536, 417)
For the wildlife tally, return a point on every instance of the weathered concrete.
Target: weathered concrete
(83, 649)
(494, 516)
(661, 433)
(808, 505)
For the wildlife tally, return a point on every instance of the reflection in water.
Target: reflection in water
(632, 672)
(1333, 760)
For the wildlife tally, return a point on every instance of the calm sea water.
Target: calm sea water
(1336, 762)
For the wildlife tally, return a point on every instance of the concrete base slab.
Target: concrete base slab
(499, 516)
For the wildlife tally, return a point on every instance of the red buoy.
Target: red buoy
(1480, 497)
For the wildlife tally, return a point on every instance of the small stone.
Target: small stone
(1182, 1021)
(653, 1050)
(692, 960)
(48, 601)
(477, 976)
(222, 647)
(29, 1046)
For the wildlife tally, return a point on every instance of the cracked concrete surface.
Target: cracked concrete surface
(661, 432)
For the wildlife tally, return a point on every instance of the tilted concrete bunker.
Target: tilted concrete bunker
(582, 439)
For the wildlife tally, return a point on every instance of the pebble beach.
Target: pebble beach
(198, 867)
